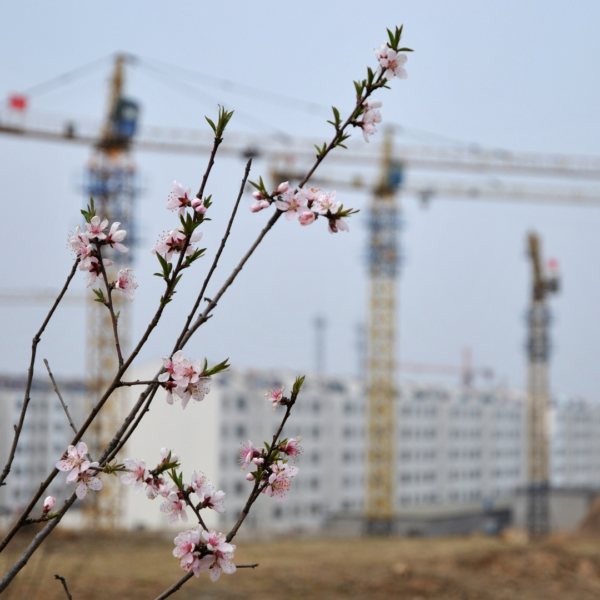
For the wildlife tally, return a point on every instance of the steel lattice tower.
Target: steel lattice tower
(111, 182)
(538, 347)
(381, 359)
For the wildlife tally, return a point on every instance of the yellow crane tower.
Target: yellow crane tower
(381, 361)
(111, 183)
(538, 346)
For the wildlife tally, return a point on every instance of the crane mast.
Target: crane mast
(381, 359)
(538, 518)
(110, 181)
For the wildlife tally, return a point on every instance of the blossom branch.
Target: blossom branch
(64, 583)
(26, 399)
(65, 407)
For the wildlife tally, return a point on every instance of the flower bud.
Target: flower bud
(306, 218)
(258, 461)
(282, 188)
(249, 477)
(49, 503)
(258, 206)
(257, 195)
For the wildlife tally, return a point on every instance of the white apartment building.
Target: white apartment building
(44, 437)
(457, 448)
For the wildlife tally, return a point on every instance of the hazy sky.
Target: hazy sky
(504, 74)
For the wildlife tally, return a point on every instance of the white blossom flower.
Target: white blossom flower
(95, 228)
(125, 283)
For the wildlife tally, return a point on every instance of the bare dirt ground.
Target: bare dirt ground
(469, 568)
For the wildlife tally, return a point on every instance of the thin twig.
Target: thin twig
(175, 587)
(211, 162)
(64, 582)
(138, 382)
(252, 566)
(65, 407)
(34, 343)
(186, 497)
(216, 259)
(109, 305)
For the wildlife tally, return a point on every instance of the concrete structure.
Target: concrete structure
(44, 438)
(460, 452)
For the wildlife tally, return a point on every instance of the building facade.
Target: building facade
(457, 448)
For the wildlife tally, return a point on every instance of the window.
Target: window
(240, 431)
(241, 403)
(238, 488)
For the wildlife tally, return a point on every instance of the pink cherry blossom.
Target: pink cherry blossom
(292, 448)
(325, 202)
(187, 372)
(173, 242)
(213, 499)
(49, 503)
(180, 198)
(282, 188)
(275, 396)
(171, 387)
(75, 461)
(137, 474)
(372, 104)
(280, 480)
(220, 560)
(367, 124)
(309, 193)
(80, 244)
(174, 507)
(247, 453)
(125, 283)
(196, 390)
(185, 546)
(260, 205)
(92, 265)
(198, 206)
(115, 237)
(199, 483)
(338, 224)
(156, 486)
(164, 454)
(306, 218)
(391, 64)
(293, 203)
(95, 228)
(87, 481)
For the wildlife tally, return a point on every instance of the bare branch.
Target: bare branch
(252, 566)
(216, 259)
(109, 305)
(138, 382)
(64, 582)
(65, 407)
(26, 399)
(175, 587)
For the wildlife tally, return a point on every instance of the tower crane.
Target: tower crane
(543, 284)
(111, 169)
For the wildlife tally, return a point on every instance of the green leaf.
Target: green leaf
(405, 50)
(222, 366)
(212, 125)
(298, 384)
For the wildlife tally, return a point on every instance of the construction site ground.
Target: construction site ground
(141, 565)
